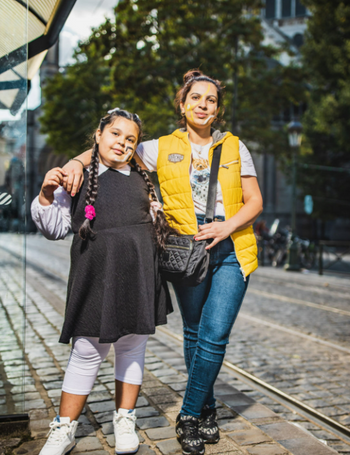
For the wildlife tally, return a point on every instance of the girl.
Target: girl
(115, 294)
(182, 161)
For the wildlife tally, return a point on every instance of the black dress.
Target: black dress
(114, 286)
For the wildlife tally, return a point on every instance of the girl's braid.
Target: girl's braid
(85, 231)
(161, 225)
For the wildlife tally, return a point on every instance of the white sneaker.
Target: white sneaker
(126, 439)
(61, 438)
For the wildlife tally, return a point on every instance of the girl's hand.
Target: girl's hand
(218, 230)
(74, 177)
(53, 179)
(155, 206)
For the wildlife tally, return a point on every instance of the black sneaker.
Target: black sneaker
(187, 435)
(208, 426)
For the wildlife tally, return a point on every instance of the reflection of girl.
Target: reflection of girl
(115, 295)
(210, 309)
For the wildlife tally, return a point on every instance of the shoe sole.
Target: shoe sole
(121, 452)
(193, 453)
(199, 452)
(69, 450)
(211, 442)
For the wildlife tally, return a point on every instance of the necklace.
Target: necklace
(199, 148)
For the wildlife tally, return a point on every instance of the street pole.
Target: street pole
(293, 261)
(294, 189)
(235, 90)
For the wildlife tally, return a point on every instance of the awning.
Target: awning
(28, 28)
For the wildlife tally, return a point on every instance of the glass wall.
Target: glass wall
(13, 126)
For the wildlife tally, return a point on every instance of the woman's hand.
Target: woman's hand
(218, 230)
(74, 177)
(53, 179)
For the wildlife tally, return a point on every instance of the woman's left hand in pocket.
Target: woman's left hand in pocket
(217, 231)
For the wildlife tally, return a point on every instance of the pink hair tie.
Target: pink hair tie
(90, 213)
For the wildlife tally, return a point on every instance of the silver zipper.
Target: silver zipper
(227, 164)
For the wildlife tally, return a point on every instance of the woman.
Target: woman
(209, 310)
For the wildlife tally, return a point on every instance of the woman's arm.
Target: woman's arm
(253, 206)
(75, 172)
(75, 168)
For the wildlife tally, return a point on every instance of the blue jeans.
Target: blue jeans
(209, 311)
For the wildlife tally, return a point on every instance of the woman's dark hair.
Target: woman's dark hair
(190, 78)
(162, 228)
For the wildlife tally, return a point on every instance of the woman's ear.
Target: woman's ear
(182, 108)
(98, 136)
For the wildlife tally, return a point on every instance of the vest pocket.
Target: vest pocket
(226, 165)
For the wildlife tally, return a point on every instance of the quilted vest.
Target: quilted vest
(173, 165)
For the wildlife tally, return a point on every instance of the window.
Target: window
(300, 9)
(298, 40)
(286, 8)
(270, 9)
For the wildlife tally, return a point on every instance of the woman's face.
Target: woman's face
(201, 104)
(117, 142)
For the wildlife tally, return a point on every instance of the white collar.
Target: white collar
(123, 170)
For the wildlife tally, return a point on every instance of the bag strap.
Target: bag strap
(213, 183)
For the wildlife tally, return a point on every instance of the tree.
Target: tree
(137, 62)
(326, 59)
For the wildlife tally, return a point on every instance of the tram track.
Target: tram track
(331, 290)
(312, 415)
(282, 328)
(339, 288)
(294, 301)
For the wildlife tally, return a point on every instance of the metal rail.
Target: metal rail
(284, 298)
(309, 413)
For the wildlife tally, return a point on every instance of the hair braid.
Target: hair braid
(85, 230)
(161, 225)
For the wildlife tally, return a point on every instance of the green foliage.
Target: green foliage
(137, 61)
(326, 57)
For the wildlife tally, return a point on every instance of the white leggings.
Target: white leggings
(87, 354)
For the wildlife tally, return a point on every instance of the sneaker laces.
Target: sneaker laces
(58, 431)
(126, 424)
(189, 428)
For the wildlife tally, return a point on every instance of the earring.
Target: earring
(182, 114)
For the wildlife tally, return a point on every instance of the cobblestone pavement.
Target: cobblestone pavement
(301, 366)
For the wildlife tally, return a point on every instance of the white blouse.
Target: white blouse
(54, 221)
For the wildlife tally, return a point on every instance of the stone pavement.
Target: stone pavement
(247, 426)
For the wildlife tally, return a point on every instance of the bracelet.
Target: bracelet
(77, 159)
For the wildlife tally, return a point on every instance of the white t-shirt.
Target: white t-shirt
(199, 171)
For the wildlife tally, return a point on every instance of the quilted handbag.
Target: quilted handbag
(184, 259)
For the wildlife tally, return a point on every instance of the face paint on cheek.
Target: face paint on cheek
(190, 108)
(127, 157)
(207, 119)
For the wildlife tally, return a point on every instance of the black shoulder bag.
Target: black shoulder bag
(184, 259)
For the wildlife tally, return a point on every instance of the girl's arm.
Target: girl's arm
(51, 209)
(146, 156)
(253, 206)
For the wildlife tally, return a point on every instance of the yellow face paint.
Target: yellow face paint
(190, 108)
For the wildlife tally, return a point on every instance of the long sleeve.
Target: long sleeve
(53, 221)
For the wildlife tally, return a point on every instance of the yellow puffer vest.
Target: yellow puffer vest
(173, 166)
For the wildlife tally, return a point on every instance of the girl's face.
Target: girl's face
(117, 142)
(201, 104)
